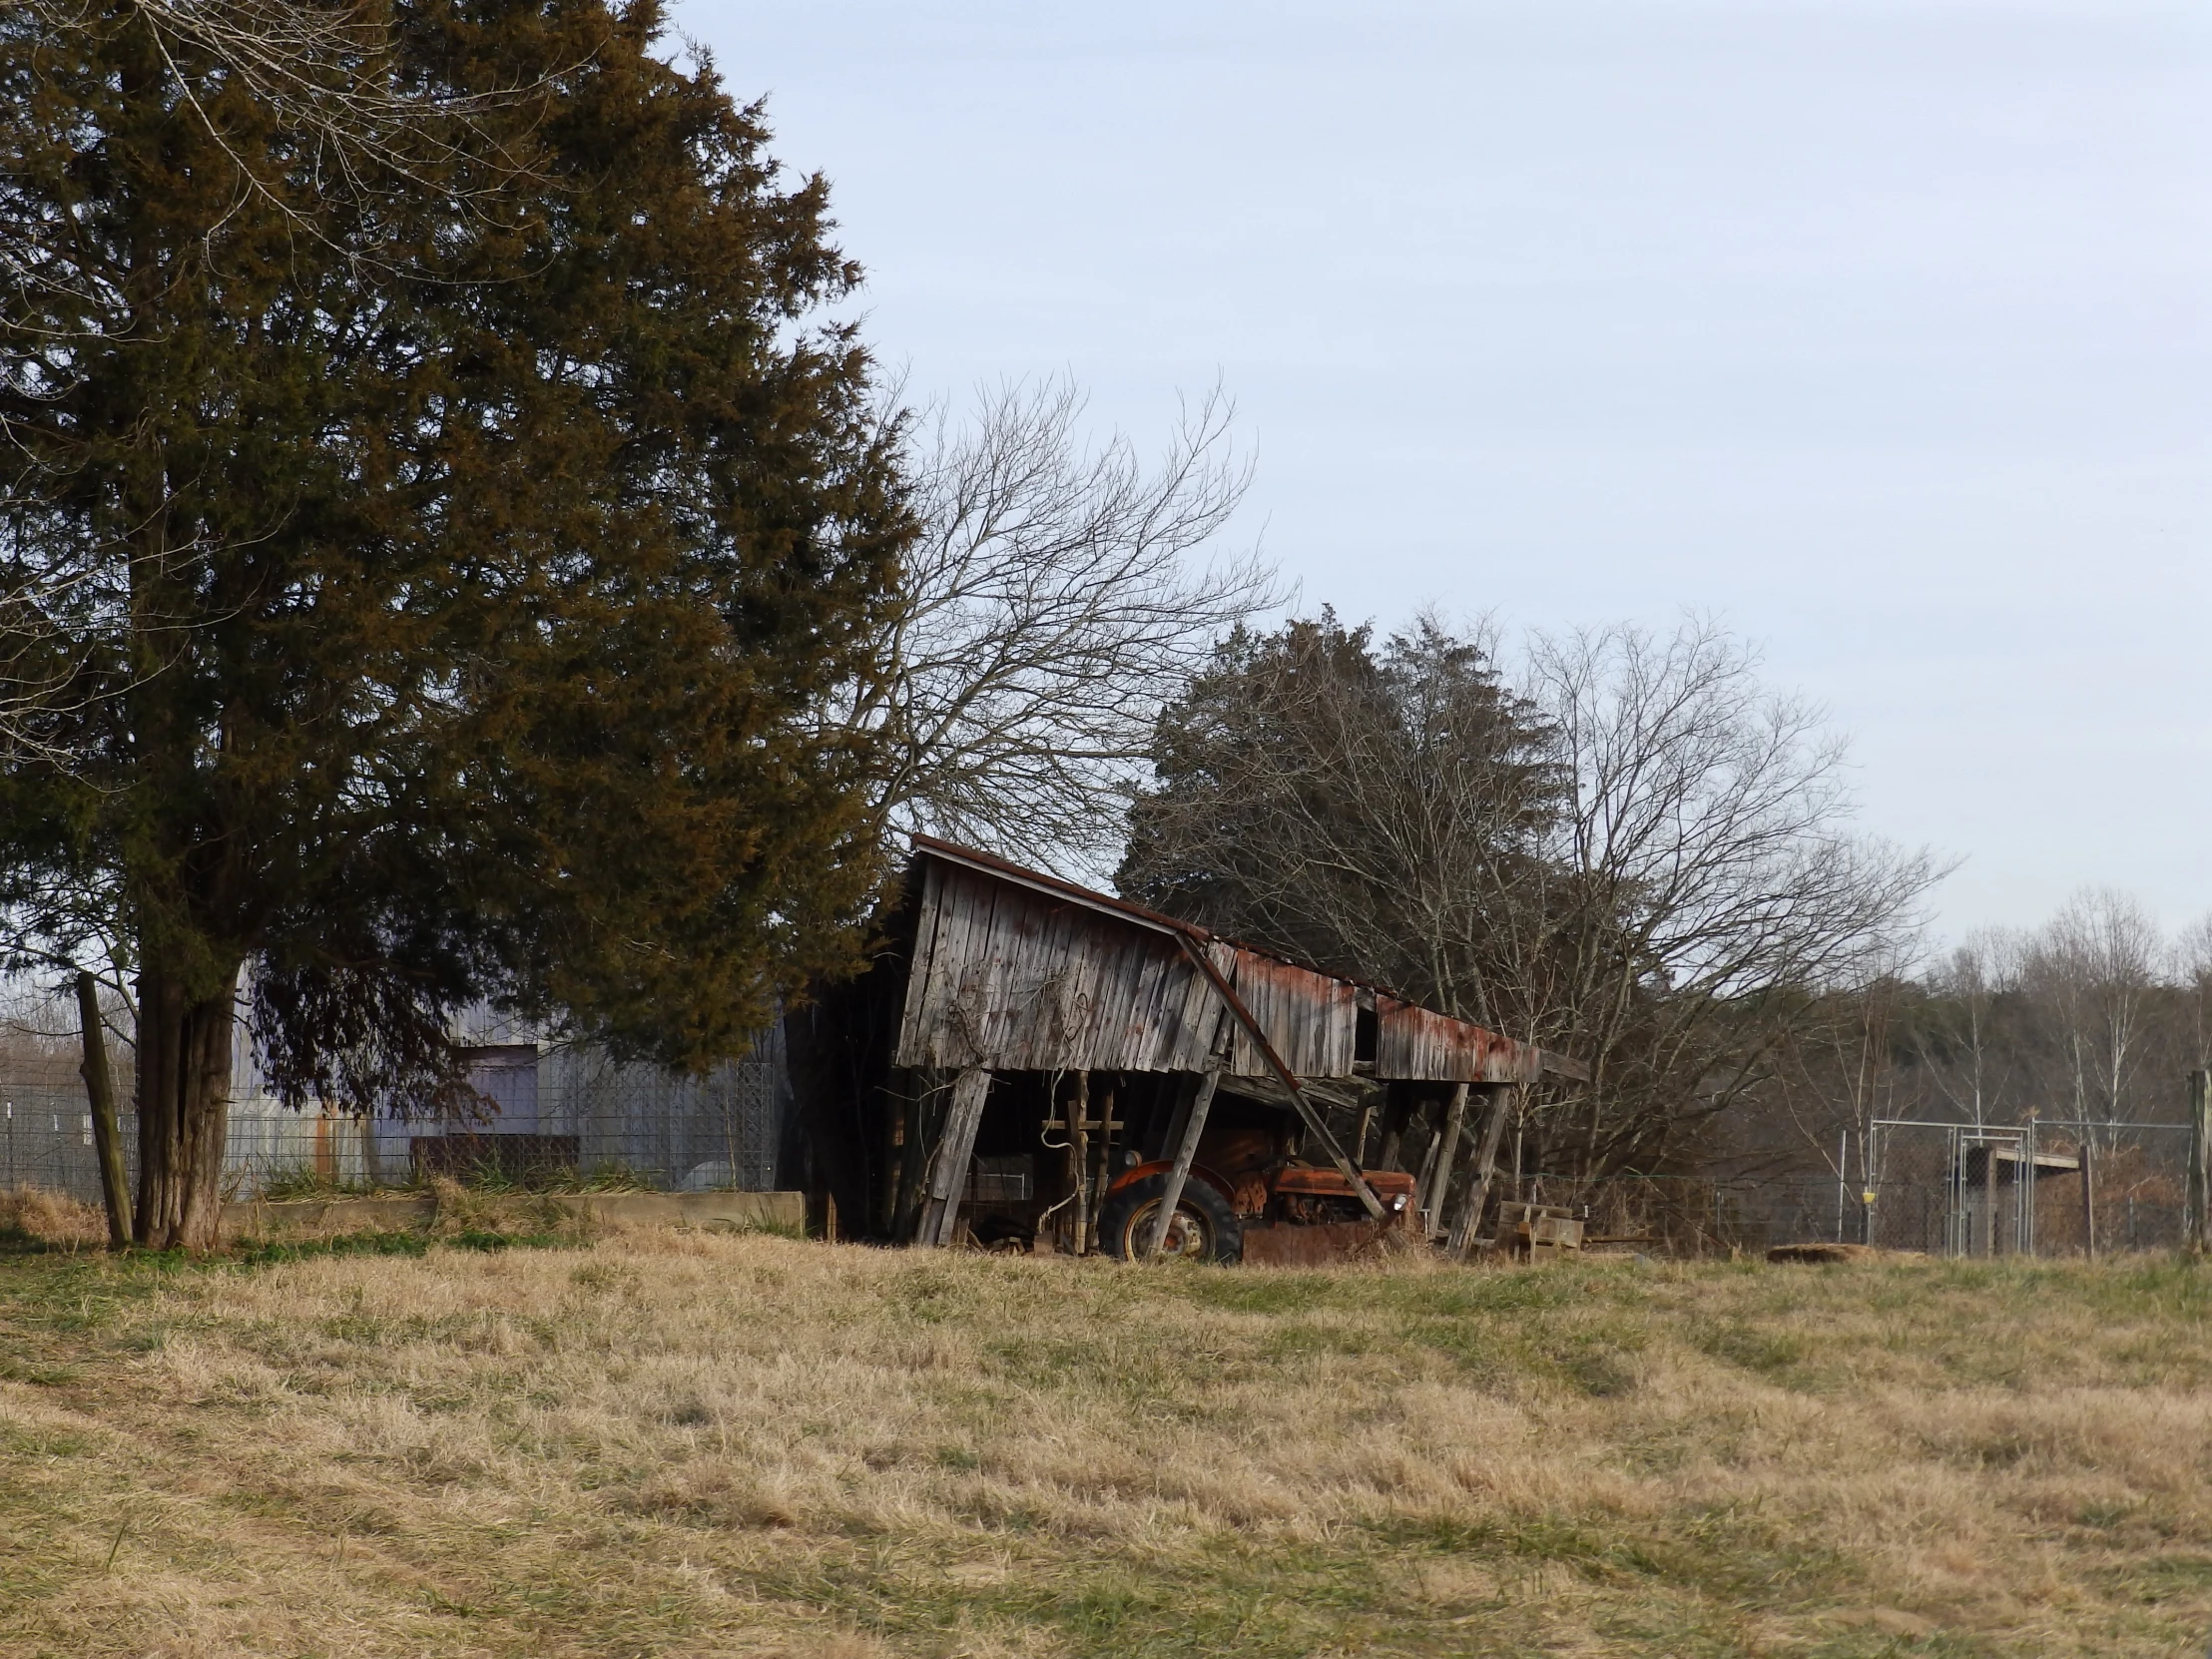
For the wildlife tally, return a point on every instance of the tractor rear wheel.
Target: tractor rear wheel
(1203, 1228)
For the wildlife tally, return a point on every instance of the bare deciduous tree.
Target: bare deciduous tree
(1645, 858)
(2091, 972)
(2192, 965)
(1960, 1041)
(1051, 606)
(1715, 878)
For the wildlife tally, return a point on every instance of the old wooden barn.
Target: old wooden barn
(1030, 1064)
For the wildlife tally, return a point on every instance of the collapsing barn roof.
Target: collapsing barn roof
(1016, 970)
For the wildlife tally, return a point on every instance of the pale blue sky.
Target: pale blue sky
(1881, 330)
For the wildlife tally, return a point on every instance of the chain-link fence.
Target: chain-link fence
(1693, 1216)
(2048, 1187)
(552, 1116)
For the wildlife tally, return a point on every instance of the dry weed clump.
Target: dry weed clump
(676, 1443)
(52, 1218)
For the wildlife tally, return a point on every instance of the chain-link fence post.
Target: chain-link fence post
(2200, 1162)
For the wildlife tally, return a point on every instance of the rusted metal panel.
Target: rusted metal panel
(1327, 1182)
(1311, 1020)
(1413, 1043)
(1319, 1245)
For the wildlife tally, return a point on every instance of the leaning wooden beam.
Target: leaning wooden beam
(1186, 1153)
(1447, 1159)
(1312, 1119)
(940, 1210)
(1503, 1101)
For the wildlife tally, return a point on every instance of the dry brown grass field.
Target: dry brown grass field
(682, 1444)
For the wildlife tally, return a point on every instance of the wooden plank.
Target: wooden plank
(1139, 1038)
(1503, 1101)
(1431, 1201)
(1079, 1161)
(1179, 1172)
(1094, 985)
(1190, 1011)
(1418, 1044)
(948, 1171)
(1309, 1018)
(1127, 1017)
(913, 1016)
(948, 964)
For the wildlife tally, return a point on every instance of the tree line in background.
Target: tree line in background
(1629, 850)
(2092, 1020)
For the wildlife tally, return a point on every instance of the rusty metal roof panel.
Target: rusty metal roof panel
(1311, 1019)
(1413, 1043)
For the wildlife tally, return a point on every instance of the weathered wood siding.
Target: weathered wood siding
(1009, 977)
(1413, 1044)
(1016, 979)
(1311, 1020)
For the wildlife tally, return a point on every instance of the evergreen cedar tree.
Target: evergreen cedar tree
(1312, 790)
(469, 564)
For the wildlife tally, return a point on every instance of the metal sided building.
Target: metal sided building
(1028, 1061)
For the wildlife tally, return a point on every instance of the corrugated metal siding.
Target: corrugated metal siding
(1413, 1043)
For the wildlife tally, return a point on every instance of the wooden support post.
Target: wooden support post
(1503, 1098)
(1079, 1161)
(1447, 1157)
(2199, 1241)
(1186, 1151)
(1426, 1174)
(948, 1171)
(107, 1133)
(1105, 1175)
(1366, 1122)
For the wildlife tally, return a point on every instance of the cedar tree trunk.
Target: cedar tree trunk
(184, 1096)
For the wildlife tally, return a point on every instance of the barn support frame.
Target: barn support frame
(993, 985)
(948, 1170)
(1504, 1101)
(1312, 1119)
